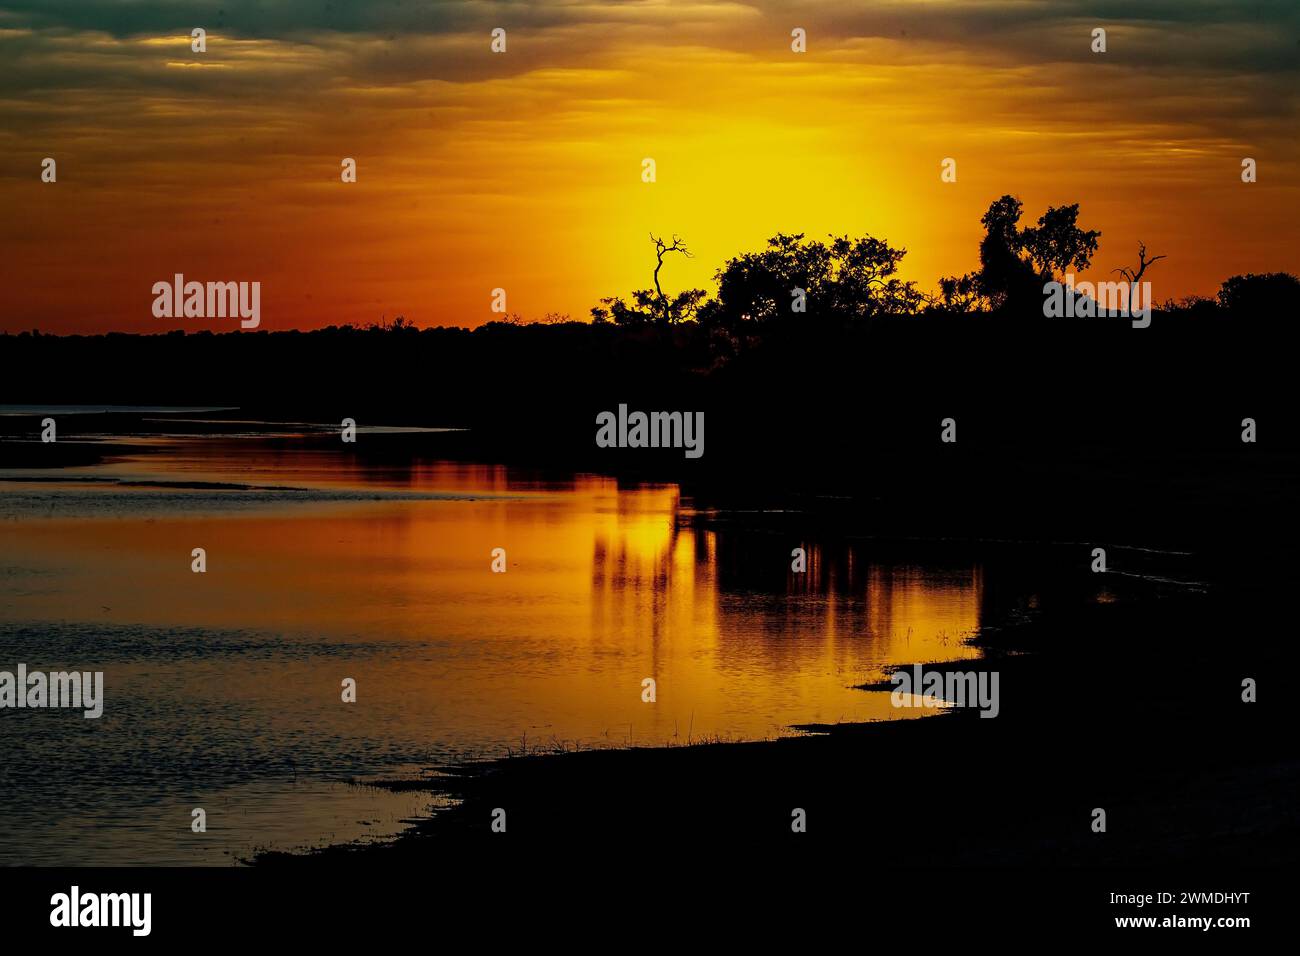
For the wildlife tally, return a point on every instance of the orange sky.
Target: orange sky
(522, 170)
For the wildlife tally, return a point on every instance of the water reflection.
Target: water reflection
(381, 571)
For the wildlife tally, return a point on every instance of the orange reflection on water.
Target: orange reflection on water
(605, 587)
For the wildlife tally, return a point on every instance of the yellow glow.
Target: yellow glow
(530, 180)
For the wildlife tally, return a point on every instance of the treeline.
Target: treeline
(1063, 426)
(544, 384)
(1082, 430)
(843, 281)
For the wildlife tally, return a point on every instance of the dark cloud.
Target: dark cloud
(1190, 69)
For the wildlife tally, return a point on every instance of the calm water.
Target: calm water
(223, 689)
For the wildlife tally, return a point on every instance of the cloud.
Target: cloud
(477, 161)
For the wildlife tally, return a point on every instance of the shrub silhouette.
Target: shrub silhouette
(1269, 295)
(840, 280)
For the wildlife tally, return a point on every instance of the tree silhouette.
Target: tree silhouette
(1057, 244)
(660, 250)
(1135, 276)
(1015, 262)
(653, 305)
(1005, 278)
(842, 280)
(849, 279)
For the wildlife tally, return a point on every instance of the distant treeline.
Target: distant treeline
(1080, 426)
(544, 384)
(1083, 429)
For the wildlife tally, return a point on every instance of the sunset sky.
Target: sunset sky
(522, 170)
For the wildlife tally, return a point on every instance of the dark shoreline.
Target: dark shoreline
(1202, 778)
(1133, 706)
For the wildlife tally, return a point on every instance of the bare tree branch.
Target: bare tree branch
(661, 248)
(1135, 277)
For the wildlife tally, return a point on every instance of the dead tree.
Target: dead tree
(1135, 277)
(661, 248)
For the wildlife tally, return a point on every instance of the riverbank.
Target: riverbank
(1130, 704)
(1133, 709)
